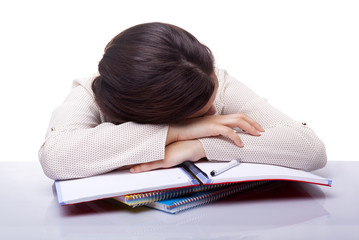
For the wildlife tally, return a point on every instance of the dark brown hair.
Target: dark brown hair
(153, 73)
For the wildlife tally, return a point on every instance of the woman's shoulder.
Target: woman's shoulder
(85, 83)
(228, 81)
(221, 74)
(231, 88)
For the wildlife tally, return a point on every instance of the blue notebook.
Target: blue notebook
(179, 204)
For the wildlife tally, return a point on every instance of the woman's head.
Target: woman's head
(154, 73)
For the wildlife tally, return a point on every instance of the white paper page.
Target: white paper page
(250, 172)
(117, 183)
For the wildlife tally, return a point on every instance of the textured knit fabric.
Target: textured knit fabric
(81, 143)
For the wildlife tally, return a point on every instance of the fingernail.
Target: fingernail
(132, 170)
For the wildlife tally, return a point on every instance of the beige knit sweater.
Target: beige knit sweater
(81, 143)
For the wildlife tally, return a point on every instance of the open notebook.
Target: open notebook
(122, 182)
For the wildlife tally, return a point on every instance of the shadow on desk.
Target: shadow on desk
(269, 207)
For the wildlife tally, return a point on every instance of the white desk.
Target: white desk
(286, 210)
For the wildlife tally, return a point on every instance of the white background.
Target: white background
(303, 56)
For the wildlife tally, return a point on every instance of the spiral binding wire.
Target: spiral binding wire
(140, 199)
(199, 199)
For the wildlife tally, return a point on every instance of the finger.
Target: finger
(246, 126)
(256, 125)
(231, 134)
(144, 167)
(246, 123)
(243, 122)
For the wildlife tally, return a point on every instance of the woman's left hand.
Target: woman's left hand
(214, 125)
(175, 154)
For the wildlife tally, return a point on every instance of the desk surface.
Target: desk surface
(284, 210)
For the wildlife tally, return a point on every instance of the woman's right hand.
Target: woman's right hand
(214, 125)
(175, 154)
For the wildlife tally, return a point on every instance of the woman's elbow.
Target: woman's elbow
(317, 153)
(319, 156)
(307, 151)
(49, 165)
(54, 162)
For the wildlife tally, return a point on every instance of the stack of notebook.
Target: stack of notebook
(180, 188)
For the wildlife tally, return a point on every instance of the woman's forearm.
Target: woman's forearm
(294, 146)
(86, 152)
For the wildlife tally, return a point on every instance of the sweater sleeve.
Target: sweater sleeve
(79, 143)
(285, 142)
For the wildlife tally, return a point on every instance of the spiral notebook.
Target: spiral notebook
(175, 205)
(122, 182)
(140, 199)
